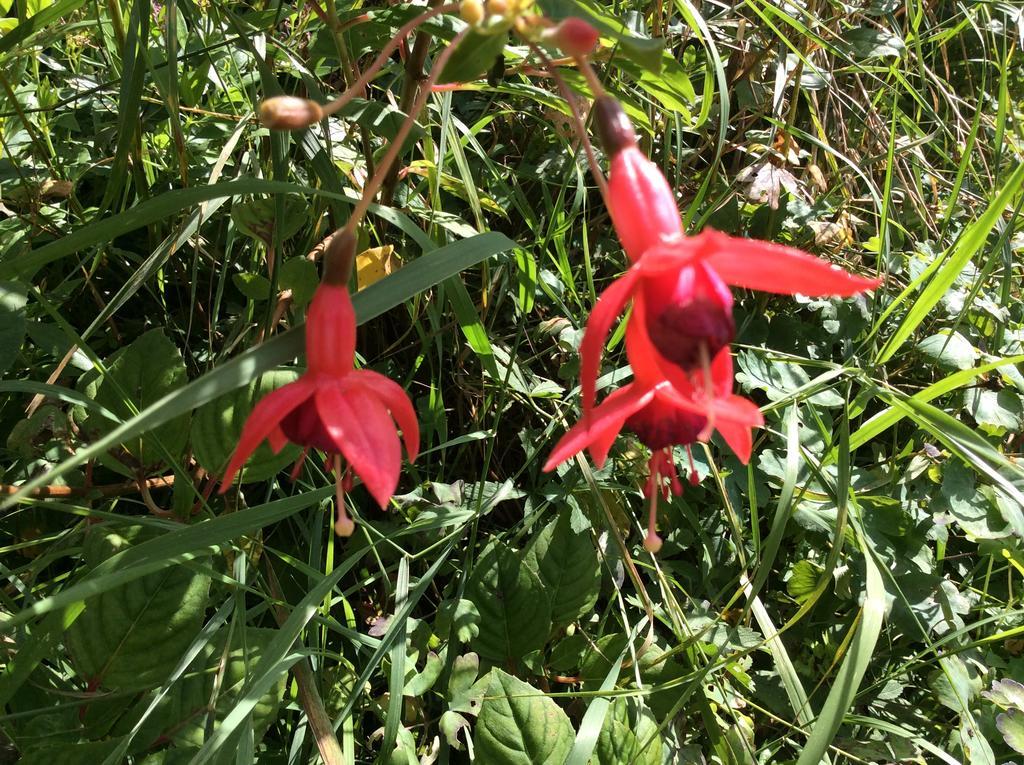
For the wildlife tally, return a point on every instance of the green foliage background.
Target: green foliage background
(851, 596)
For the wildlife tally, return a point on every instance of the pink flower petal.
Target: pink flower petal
(735, 416)
(602, 317)
(264, 421)
(365, 434)
(394, 397)
(599, 429)
(330, 331)
(771, 267)
(641, 203)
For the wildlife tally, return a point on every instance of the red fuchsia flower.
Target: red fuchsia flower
(681, 325)
(661, 417)
(349, 413)
(686, 305)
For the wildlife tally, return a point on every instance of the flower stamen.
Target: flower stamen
(344, 525)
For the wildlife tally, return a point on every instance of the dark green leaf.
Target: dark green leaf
(141, 374)
(519, 725)
(217, 426)
(474, 57)
(131, 637)
(567, 565)
(515, 615)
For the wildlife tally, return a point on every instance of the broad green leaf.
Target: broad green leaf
(175, 718)
(217, 426)
(515, 615)
(519, 725)
(739, 742)
(464, 691)
(253, 286)
(257, 217)
(872, 42)
(995, 412)
(949, 349)
(12, 322)
(567, 565)
(1007, 693)
(1011, 725)
(131, 637)
(780, 380)
(474, 56)
(144, 372)
(301, 277)
(383, 120)
(803, 580)
(955, 685)
(619, 745)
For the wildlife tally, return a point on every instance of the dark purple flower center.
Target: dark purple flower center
(681, 330)
(304, 427)
(659, 426)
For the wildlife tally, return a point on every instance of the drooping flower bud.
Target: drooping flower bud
(289, 113)
(574, 36)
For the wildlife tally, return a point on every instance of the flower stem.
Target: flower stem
(577, 118)
(374, 183)
(368, 74)
(592, 79)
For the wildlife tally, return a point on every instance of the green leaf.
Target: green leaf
(519, 725)
(619, 745)
(780, 380)
(256, 218)
(949, 349)
(464, 692)
(175, 719)
(871, 42)
(12, 322)
(1011, 725)
(300, 276)
(995, 412)
(803, 580)
(253, 286)
(421, 682)
(1007, 693)
(644, 51)
(383, 120)
(474, 56)
(955, 685)
(217, 426)
(131, 637)
(515, 615)
(140, 375)
(567, 565)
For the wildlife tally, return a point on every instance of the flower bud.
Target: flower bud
(289, 113)
(497, 7)
(613, 126)
(652, 543)
(574, 36)
(471, 11)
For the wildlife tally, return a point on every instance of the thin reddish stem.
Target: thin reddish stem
(374, 183)
(370, 72)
